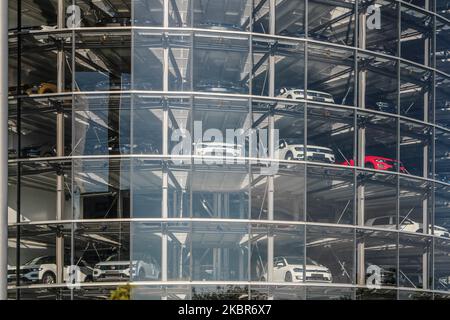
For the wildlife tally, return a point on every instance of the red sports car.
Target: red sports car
(379, 163)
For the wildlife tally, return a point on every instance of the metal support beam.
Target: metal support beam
(60, 199)
(361, 152)
(4, 152)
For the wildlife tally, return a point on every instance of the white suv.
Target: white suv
(406, 224)
(293, 149)
(292, 93)
(144, 267)
(290, 269)
(43, 270)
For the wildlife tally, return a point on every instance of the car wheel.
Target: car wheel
(288, 277)
(263, 279)
(369, 165)
(141, 275)
(289, 96)
(88, 279)
(289, 156)
(49, 278)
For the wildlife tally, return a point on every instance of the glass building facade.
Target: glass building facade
(342, 190)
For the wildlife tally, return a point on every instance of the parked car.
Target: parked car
(43, 270)
(379, 163)
(405, 224)
(293, 93)
(218, 86)
(212, 148)
(293, 149)
(144, 267)
(290, 269)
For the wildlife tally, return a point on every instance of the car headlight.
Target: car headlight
(298, 270)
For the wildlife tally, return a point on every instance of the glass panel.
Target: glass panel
(441, 265)
(103, 61)
(222, 15)
(415, 92)
(105, 13)
(221, 63)
(442, 108)
(416, 35)
(219, 192)
(413, 250)
(261, 48)
(37, 182)
(38, 254)
(442, 45)
(330, 74)
(287, 243)
(330, 254)
(219, 251)
(261, 16)
(36, 15)
(290, 18)
(381, 142)
(330, 135)
(145, 255)
(381, 87)
(415, 205)
(329, 293)
(220, 292)
(147, 124)
(380, 257)
(380, 199)
(330, 195)
(288, 194)
(148, 13)
(148, 60)
(416, 152)
(332, 22)
(101, 125)
(385, 38)
(147, 188)
(289, 69)
(101, 189)
(442, 210)
(105, 249)
(442, 156)
(180, 13)
(443, 8)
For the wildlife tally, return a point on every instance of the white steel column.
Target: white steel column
(4, 151)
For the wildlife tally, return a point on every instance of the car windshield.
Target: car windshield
(299, 260)
(294, 141)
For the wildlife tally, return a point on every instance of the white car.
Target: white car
(292, 93)
(290, 269)
(212, 148)
(43, 270)
(293, 149)
(405, 224)
(143, 268)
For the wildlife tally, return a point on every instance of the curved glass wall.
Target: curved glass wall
(204, 149)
